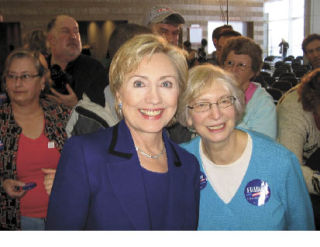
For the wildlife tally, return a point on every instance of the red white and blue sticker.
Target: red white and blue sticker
(1, 145)
(203, 180)
(257, 192)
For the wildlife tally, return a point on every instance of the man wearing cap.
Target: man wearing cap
(165, 22)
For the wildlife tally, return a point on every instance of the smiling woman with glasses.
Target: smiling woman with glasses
(243, 57)
(247, 181)
(221, 103)
(32, 134)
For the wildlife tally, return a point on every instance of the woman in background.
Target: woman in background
(243, 57)
(31, 137)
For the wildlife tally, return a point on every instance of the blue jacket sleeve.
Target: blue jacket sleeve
(69, 200)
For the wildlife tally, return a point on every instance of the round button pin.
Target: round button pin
(257, 192)
(203, 180)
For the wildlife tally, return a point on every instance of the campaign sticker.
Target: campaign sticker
(1, 146)
(203, 180)
(257, 192)
(50, 144)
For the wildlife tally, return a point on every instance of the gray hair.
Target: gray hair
(205, 76)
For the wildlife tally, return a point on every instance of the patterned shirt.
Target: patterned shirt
(56, 117)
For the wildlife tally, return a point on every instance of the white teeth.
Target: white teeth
(216, 127)
(150, 113)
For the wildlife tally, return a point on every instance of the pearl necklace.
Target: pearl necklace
(150, 156)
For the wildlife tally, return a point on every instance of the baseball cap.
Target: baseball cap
(158, 14)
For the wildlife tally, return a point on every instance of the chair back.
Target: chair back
(282, 85)
(275, 93)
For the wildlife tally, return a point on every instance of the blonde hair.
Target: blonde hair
(204, 76)
(131, 53)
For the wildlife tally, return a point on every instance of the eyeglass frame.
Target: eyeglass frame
(22, 77)
(218, 103)
(231, 64)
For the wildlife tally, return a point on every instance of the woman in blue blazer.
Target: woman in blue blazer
(131, 176)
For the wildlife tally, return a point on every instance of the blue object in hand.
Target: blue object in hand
(29, 186)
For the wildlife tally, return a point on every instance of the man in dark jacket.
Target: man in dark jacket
(72, 73)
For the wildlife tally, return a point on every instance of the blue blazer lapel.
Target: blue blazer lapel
(126, 177)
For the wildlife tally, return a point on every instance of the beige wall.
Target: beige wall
(36, 13)
(312, 16)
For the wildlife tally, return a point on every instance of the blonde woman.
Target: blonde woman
(131, 176)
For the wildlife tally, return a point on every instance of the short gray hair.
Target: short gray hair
(204, 76)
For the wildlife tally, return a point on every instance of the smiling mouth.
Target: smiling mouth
(216, 127)
(151, 113)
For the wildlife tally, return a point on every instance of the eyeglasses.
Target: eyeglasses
(222, 103)
(23, 78)
(240, 66)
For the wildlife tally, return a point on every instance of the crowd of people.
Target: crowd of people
(158, 140)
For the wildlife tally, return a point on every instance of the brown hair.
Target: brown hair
(36, 40)
(309, 39)
(216, 32)
(243, 46)
(123, 33)
(24, 53)
(309, 91)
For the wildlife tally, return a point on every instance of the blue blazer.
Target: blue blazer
(99, 185)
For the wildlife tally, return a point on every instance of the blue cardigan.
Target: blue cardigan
(287, 205)
(99, 185)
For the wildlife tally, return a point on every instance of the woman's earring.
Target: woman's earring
(120, 108)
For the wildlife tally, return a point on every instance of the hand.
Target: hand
(48, 179)
(66, 99)
(10, 186)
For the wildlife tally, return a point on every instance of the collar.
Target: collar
(122, 144)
